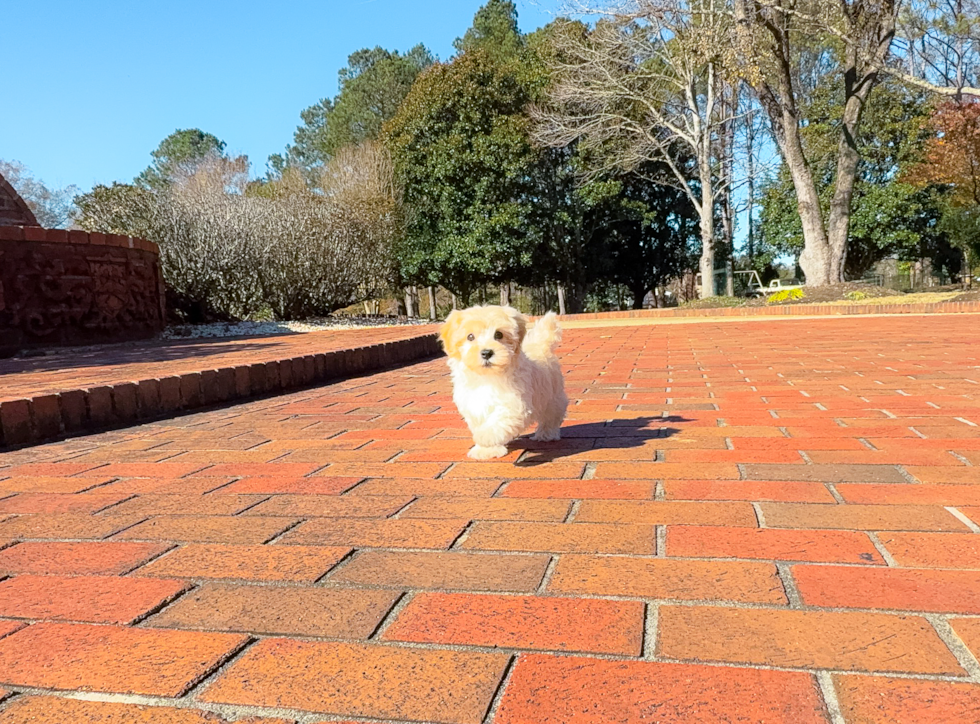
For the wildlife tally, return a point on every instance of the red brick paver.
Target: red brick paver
(54, 710)
(551, 690)
(363, 680)
(745, 522)
(110, 658)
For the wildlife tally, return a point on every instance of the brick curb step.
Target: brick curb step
(804, 310)
(33, 420)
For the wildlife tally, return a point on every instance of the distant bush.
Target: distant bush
(287, 248)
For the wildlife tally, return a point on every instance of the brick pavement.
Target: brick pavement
(745, 522)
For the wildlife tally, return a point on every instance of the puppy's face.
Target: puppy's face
(485, 339)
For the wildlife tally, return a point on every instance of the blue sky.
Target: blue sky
(90, 88)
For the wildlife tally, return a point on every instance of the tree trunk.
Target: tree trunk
(815, 257)
(707, 214)
(726, 153)
(839, 221)
(505, 295)
(409, 303)
(455, 303)
(561, 300)
(432, 304)
(750, 158)
(967, 275)
(638, 297)
(857, 87)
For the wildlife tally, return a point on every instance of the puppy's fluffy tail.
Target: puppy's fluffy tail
(543, 338)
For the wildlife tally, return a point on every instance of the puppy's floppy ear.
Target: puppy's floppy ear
(520, 324)
(448, 330)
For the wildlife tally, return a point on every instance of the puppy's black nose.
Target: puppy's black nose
(486, 353)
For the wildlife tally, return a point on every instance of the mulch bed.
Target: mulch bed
(973, 296)
(811, 295)
(837, 293)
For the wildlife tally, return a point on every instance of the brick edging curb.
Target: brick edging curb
(783, 310)
(75, 236)
(30, 421)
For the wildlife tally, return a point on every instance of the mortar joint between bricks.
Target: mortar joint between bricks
(963, 655)
(262, 499)
(272, 539)
(960, 516)
(572, 511)
(166, 603)
(203, 681)
(398, 513)
(789, 585)
(500, 489)
(549, 571)
(962, 459)
(463, 535)
(829, 694)
(336, 567)
(832, 489)
(498, 694)
(651, 621)
(909, 478)
(403, 599)
(882, 550)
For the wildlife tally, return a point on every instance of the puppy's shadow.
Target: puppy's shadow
(582, 437)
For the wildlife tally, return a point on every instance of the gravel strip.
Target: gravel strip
(248, 329)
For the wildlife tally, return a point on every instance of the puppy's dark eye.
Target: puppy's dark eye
(498, 335)
(470, 337)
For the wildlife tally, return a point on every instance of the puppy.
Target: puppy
(505, 377)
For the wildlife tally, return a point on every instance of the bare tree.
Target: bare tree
(643, 86)
(771, 35)
(52, 207)
(937, 46)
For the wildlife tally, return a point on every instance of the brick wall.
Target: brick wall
(13, 210)
(62, 287)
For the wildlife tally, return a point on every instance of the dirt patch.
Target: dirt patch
(973, 296)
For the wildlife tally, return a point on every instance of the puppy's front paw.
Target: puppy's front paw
(487, 453)
(547, 435)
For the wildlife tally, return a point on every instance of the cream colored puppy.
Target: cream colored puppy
(505, 378)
